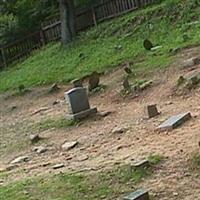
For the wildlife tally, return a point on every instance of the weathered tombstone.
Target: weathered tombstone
(138, 195)
(174, 121)
(78, 103)
(126, 85)
(94, 80)
(77, 83)
(151, 111)
(147, 44)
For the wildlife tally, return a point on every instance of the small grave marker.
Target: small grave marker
(94, 80)
(138, 195)
(78, 103)
(151, 111)
(174, 121)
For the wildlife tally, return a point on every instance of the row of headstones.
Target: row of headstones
(79, 108)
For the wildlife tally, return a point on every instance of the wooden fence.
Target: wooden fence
(51, 29)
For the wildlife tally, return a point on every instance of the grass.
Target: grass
(195, 161)
(109, 184)
(53, 123)
(165, 24)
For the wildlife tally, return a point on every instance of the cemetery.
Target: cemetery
(126, 130)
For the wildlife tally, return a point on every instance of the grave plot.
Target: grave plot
(78, 104)
(174, 121)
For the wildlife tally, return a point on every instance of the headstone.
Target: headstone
(58, 166)
(151, 111)
(138, 195)
(174, 121)
(147, 44)
(126, 85)
(20, 159)
(77, 83)
(94, 80)
(78, 103)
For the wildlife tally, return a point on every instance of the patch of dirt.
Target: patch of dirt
(103, 149)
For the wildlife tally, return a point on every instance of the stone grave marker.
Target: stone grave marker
(138, 195)
(94, 80)
(174, 121)
(151, 111)
(78, 103)
(147, 44)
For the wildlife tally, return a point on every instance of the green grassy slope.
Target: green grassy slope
(110, 44)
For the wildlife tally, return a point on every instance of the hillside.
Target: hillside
(171, 24)
(44, 156)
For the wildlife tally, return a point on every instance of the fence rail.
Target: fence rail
(51, 29)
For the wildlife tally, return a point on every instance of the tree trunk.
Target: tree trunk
(67, 16)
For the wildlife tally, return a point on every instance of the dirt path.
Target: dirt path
(98, 147)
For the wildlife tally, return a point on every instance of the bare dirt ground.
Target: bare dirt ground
(173, 180)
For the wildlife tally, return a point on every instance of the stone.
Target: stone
(145, 85)
(78, 104)
(147, 44)
(94, 80)
(83, 158)
(34, 138)
(77, 83)
(118, 130)
(141, 164)
(20, 159)
(54, 88)
(174, 121)
(40, 149)
(105, 113)
(151, 111)
(58, 166)
(138, 195)
(156, 48)
(69, 145)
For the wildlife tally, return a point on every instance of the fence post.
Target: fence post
(4, 57)
(42, 36)
(94, 16)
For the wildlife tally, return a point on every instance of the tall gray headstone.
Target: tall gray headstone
(78, 103)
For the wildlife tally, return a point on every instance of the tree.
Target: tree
(67, 16)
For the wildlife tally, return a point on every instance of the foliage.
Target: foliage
(98, 45)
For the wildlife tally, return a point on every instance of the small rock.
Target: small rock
(54, 88)
(20, 160)
(175, 194)
(146, 85)
(141, 164)
(118, 130)
(156, 48)
(40, 149)
(83, 158)
(77, 83)
(105, 114)
(34, 138)
(147, 44)
(69, 145)
(58, 166)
